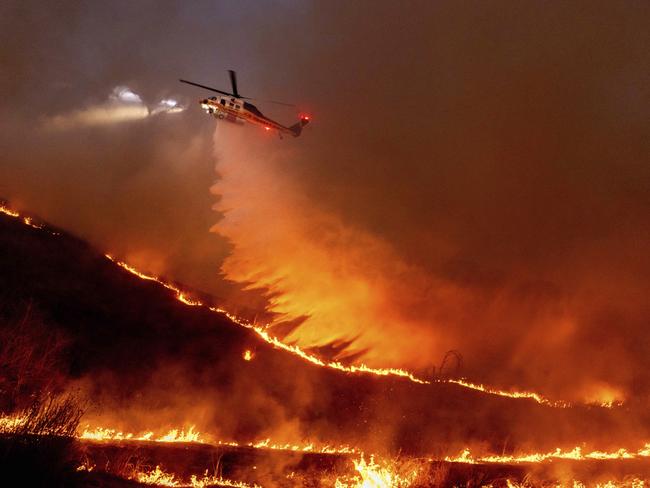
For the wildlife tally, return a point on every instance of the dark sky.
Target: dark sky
(476, 176)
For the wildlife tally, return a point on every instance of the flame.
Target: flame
(26, 220)
(635, 483)
(9, 212)
(191, 435)
(575, 454)
(159, 477)
(370, 474)
(517, 394)
(374, 475)
(7, 423)
(262, 332)
(603, 394)
(206, 480)
(11, 423)
(174, 435)
(308, 447)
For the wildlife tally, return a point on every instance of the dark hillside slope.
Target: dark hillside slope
(147, 361)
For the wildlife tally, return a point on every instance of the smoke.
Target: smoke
(96, 138)
(473, 179)
(460, 188)
(348, 283)
(346, 292)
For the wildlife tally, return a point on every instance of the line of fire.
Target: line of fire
(160, 452)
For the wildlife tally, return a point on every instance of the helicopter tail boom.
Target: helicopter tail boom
(296, 128)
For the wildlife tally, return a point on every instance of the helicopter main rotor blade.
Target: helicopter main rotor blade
(277, 103)
(233, 82)
(235, 94)
(208, 88)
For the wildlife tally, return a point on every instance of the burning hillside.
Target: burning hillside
(442, 282)
(158, 365)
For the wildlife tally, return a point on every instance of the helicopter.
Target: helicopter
(233, 107)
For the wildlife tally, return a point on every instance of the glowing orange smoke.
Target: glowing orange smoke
(264, 334)
(312, 263)
(370, 473)
(262, 331)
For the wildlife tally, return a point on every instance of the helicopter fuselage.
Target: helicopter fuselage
(237, 111)
(232, 107)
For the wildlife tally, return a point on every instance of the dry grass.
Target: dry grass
(37, 447)
(53, 416)
(30, 355)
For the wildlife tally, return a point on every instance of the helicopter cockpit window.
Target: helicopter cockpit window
(237, 106)
(223, 102)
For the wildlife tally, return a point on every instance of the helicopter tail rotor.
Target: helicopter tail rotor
(296, 128)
